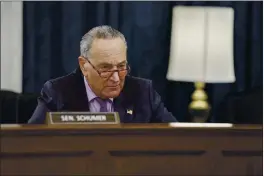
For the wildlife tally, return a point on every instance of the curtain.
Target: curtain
(52, 32)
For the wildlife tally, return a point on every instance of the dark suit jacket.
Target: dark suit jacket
(68, 94)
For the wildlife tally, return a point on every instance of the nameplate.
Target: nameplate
(72, 118)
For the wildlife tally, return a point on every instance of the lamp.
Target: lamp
(201, 51)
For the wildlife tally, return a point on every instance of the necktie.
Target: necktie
(103, 106)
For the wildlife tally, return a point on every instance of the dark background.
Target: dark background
(53, 30)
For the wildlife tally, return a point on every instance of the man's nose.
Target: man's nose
(115, 77)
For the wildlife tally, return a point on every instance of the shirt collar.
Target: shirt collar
(90, 94)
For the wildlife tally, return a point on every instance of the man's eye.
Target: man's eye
(105, 66)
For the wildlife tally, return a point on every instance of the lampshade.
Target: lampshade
(202, 45)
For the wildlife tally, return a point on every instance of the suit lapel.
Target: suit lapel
(124, 108)
(80, 99)
(118, 107)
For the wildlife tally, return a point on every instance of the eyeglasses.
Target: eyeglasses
(122, 72)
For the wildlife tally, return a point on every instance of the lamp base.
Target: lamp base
(199, 115)
(199, 108)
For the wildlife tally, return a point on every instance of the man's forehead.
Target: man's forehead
(112, 51)
(106, 47)
(109, 61)
(109, 53)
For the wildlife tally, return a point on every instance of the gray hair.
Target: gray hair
(99, 32)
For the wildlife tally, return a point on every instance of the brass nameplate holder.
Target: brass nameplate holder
(71, 118)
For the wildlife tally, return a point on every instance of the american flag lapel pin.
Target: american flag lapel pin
(129, 111)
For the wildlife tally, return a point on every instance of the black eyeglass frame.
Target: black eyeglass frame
(111, 71)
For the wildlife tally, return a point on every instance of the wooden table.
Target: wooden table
(129, 149)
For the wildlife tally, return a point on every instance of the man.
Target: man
(102, 84)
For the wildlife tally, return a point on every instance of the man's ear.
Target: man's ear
(83, 65)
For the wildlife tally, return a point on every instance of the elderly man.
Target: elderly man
(102, 84)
